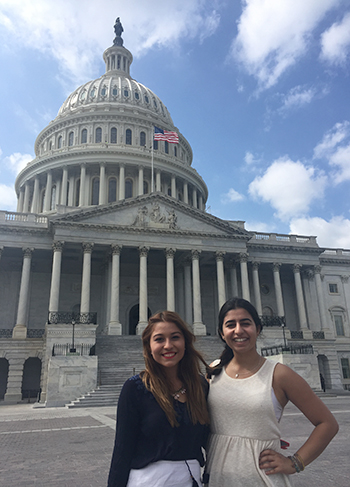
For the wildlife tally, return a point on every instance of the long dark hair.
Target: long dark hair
(227, 354)
(189, 372)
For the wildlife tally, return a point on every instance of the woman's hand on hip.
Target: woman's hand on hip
(273, 462)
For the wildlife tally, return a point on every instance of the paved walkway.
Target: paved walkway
(60, 447)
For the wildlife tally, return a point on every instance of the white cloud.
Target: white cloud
(335, 147)
(8, 199)
(335, 42)
(16, 162)
(231, 196)
(74, 35)
(339, 133)
(255, 226)
(272, 35)
(297, 97)
(290, 187)
(249, 158)
(333, 233)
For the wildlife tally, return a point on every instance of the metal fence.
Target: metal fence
(70, 317)
(293, 349)
(63, 349)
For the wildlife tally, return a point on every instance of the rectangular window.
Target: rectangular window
(345, 368)
(339, 327)
(333, 288)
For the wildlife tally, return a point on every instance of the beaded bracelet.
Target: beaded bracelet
(298, 462)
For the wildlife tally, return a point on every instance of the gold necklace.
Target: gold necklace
(239, 374)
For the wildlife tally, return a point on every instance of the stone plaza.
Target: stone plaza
(60, 447)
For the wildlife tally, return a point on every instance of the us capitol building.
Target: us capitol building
(109, 230)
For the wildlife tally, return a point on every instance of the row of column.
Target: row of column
(61, 189)
(191, 283)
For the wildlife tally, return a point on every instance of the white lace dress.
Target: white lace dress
(243, 424)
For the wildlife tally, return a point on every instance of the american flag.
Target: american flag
(171, 137)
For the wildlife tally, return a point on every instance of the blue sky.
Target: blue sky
(260, 89)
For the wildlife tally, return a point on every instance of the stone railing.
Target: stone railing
(273, 238)
(6, 333)
(273, 320)
(14, 218)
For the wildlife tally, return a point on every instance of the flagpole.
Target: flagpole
(152, 172)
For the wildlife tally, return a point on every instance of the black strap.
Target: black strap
(194, 481)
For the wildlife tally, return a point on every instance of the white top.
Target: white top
(243, 424)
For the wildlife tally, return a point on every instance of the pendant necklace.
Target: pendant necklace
(239, 374)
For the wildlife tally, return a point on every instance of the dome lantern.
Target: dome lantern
(117, 57)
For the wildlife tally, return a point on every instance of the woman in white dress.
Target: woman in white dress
(246, 400)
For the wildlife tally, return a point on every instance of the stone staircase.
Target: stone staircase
(120, 357)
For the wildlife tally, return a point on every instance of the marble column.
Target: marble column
(102, 197)
(220, 273)
(86, 278)
(36, 196)
(170, 283)
(158, 181)
(256, 285)
(115, 327)
(300, 298)
(26, 197)
(173, 186)
(143, 303)
(55, 276)
(321, 302)
(198, 326)
(185, 192)
(71, 191)
(200, 202)
(64, 186)
(188, 291)
(278, 288)
(48, 191)
(20, 329)
(122, 182)
(82, 184)
(180, 291)
(233, 276)
(140, 192)
(194, 198)
(20, 201)
(243, 259)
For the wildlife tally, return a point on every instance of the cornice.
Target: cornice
(284, 248)
(337, 261)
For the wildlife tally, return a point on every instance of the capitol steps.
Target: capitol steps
(120, 357)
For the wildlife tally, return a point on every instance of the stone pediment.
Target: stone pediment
(154, 212)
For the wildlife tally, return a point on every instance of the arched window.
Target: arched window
(77, 192)
(175, 150)
(179, 196)
(142, 138)
(166, 147)
(169, 190)
(98, 135)
(128, 137)
(65, 202)
(71, 138)
(95, 191)
(128, 188)
(59, 145)
(155, 144)
(145, 187)
(84, 136)
(112, 190)
(113, 135)
(53, 198)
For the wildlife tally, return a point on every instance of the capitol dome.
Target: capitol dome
(98, 149)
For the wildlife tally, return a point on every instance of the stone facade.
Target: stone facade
(111, 227)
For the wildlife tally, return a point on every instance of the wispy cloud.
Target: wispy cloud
(272, 35)
(335, 42)
(75, 36)
(297, 97)
(8, 199)
(231, 196)
(15, 162)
